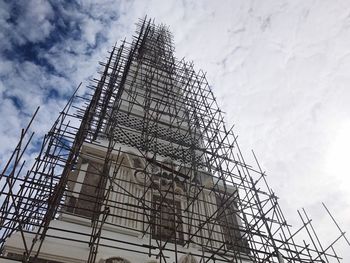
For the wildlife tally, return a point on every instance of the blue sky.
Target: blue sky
(280, 71)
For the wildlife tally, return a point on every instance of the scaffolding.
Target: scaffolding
(147, 151)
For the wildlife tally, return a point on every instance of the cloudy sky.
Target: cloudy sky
(280, 71)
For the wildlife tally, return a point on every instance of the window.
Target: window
(228, 220)
(85, 204)
(166, 220)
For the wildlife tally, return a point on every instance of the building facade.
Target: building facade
(142, 189)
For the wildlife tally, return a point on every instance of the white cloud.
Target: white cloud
(33, 24)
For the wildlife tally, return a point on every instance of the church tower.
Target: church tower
(144, 171)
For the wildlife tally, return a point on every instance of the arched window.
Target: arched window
(166, 215)
(167, 220)
(227, 217)
(89, 194)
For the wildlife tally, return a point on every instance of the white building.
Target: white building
(153, 193)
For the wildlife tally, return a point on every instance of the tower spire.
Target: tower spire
(143, 169)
